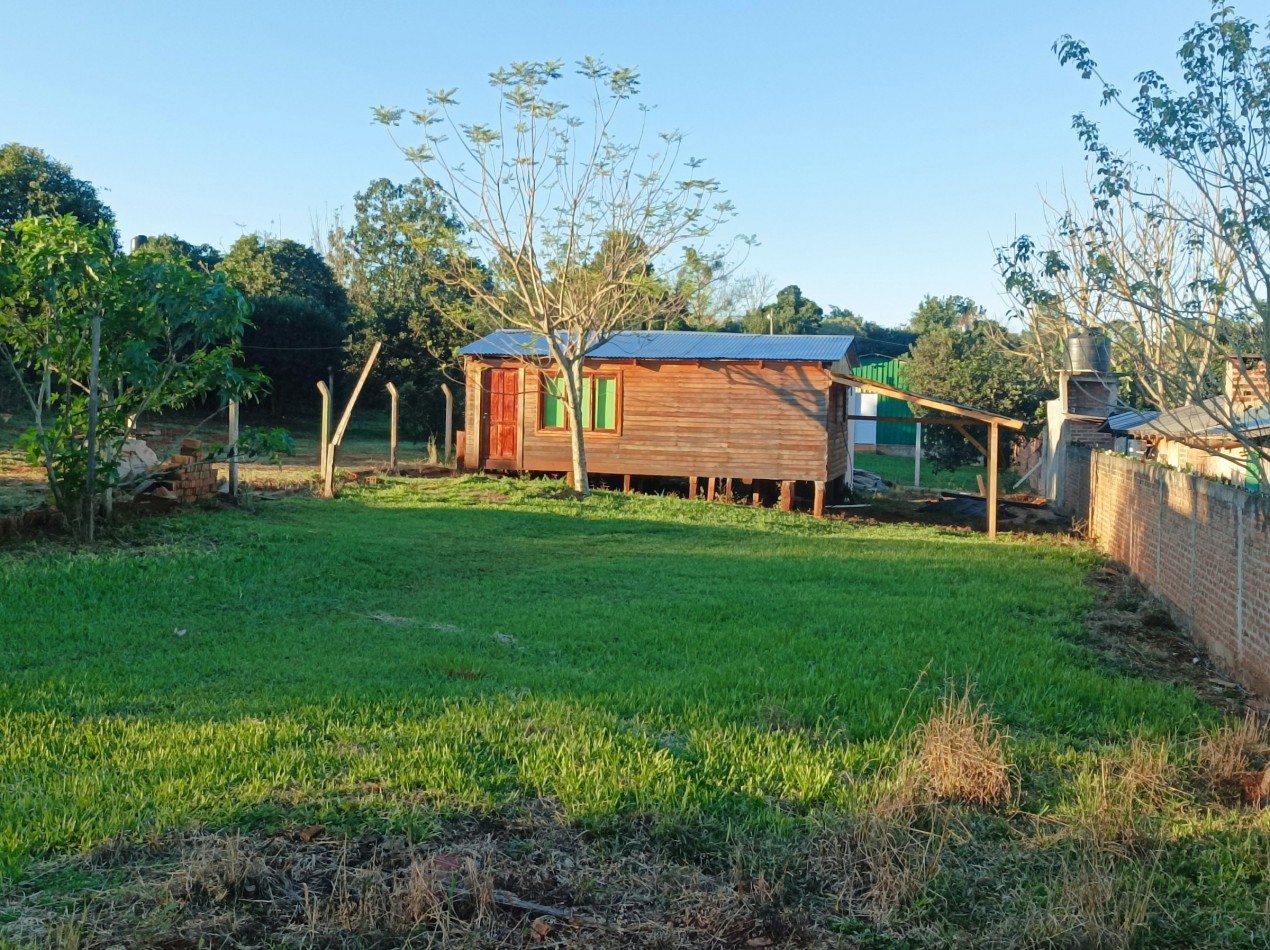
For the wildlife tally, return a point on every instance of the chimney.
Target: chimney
(1246, 385)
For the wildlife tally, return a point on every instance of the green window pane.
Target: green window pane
(606, 403)
(586, 402)
(553, 410)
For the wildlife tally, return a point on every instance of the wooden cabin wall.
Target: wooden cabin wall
(840, 445)
(717, 419)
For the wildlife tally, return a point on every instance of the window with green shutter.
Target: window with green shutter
(554, 411)
(599, 403)
(605, 419)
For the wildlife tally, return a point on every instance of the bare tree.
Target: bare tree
(568, 219)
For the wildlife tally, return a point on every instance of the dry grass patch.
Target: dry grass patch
(961, 752)
(482, 886)
(1229, 752)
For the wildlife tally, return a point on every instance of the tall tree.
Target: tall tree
(32, 183)
(299, 314)
(1210, 136)
(392, 260)
(542, 190)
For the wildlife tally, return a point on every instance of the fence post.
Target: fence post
(917, 457)
(392, 429)
(93, 395)
(233, 448)
(449, 421)
(325, 390)
(328, 485)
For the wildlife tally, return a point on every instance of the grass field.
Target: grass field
(898, 469)
(740, 698)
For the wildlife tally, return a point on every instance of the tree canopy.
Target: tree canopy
(392, 260)
(32, 183)
(970, 360)
(1168, 252)
(791, 312)
(299, 313)
(168, 335)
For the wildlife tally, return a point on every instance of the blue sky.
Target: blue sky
(878, 151)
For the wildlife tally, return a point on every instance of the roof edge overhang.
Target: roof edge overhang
(928, 402)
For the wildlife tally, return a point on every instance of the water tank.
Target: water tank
(139, 242)
(1088, 351)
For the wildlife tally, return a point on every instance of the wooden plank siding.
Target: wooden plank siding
(712, 419)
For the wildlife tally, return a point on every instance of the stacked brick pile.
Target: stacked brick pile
(185, 477)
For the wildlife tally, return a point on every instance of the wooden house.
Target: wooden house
(745, 408)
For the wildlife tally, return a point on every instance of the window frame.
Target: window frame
(546, 383)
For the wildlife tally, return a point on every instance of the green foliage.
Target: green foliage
(169, 336)
(975, 367)
(32, 183)
(393, 260)
(1171, 257)
(299, 314)
(872, 339)
(953, 312)
(170, 247)
(790, 313)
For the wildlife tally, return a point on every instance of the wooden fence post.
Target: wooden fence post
(233, 448)
(449, 422)
(993, 450)
(392, 429)
(325, 390)
(328, 487)
(93, 395)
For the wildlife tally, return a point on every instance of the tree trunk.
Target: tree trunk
(574, 381)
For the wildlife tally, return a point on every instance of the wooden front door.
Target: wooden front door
(499, 416)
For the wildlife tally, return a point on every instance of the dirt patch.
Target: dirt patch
(481, 886)
(1134, 631)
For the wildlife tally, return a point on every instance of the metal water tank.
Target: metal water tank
(1088, 351)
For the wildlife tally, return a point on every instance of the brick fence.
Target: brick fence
(1201, 546)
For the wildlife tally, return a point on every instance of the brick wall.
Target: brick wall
(1202, 546)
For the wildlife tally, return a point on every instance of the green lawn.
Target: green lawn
(899, 469)
(417, 652)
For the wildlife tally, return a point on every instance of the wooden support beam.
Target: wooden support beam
(961, 427)
(710, 488)
(921, 420)
(727, 490)
(460, 451)
(818, 506)
(756, 499)
(787, 496)
(994, 442)
(692, 487)
(626, 484)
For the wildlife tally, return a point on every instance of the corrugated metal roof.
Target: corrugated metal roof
(678, 345)
(1124, 421)
(1203, 420)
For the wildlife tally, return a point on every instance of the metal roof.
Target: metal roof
(1204, 420)
(677, 345)
(1129, 419)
